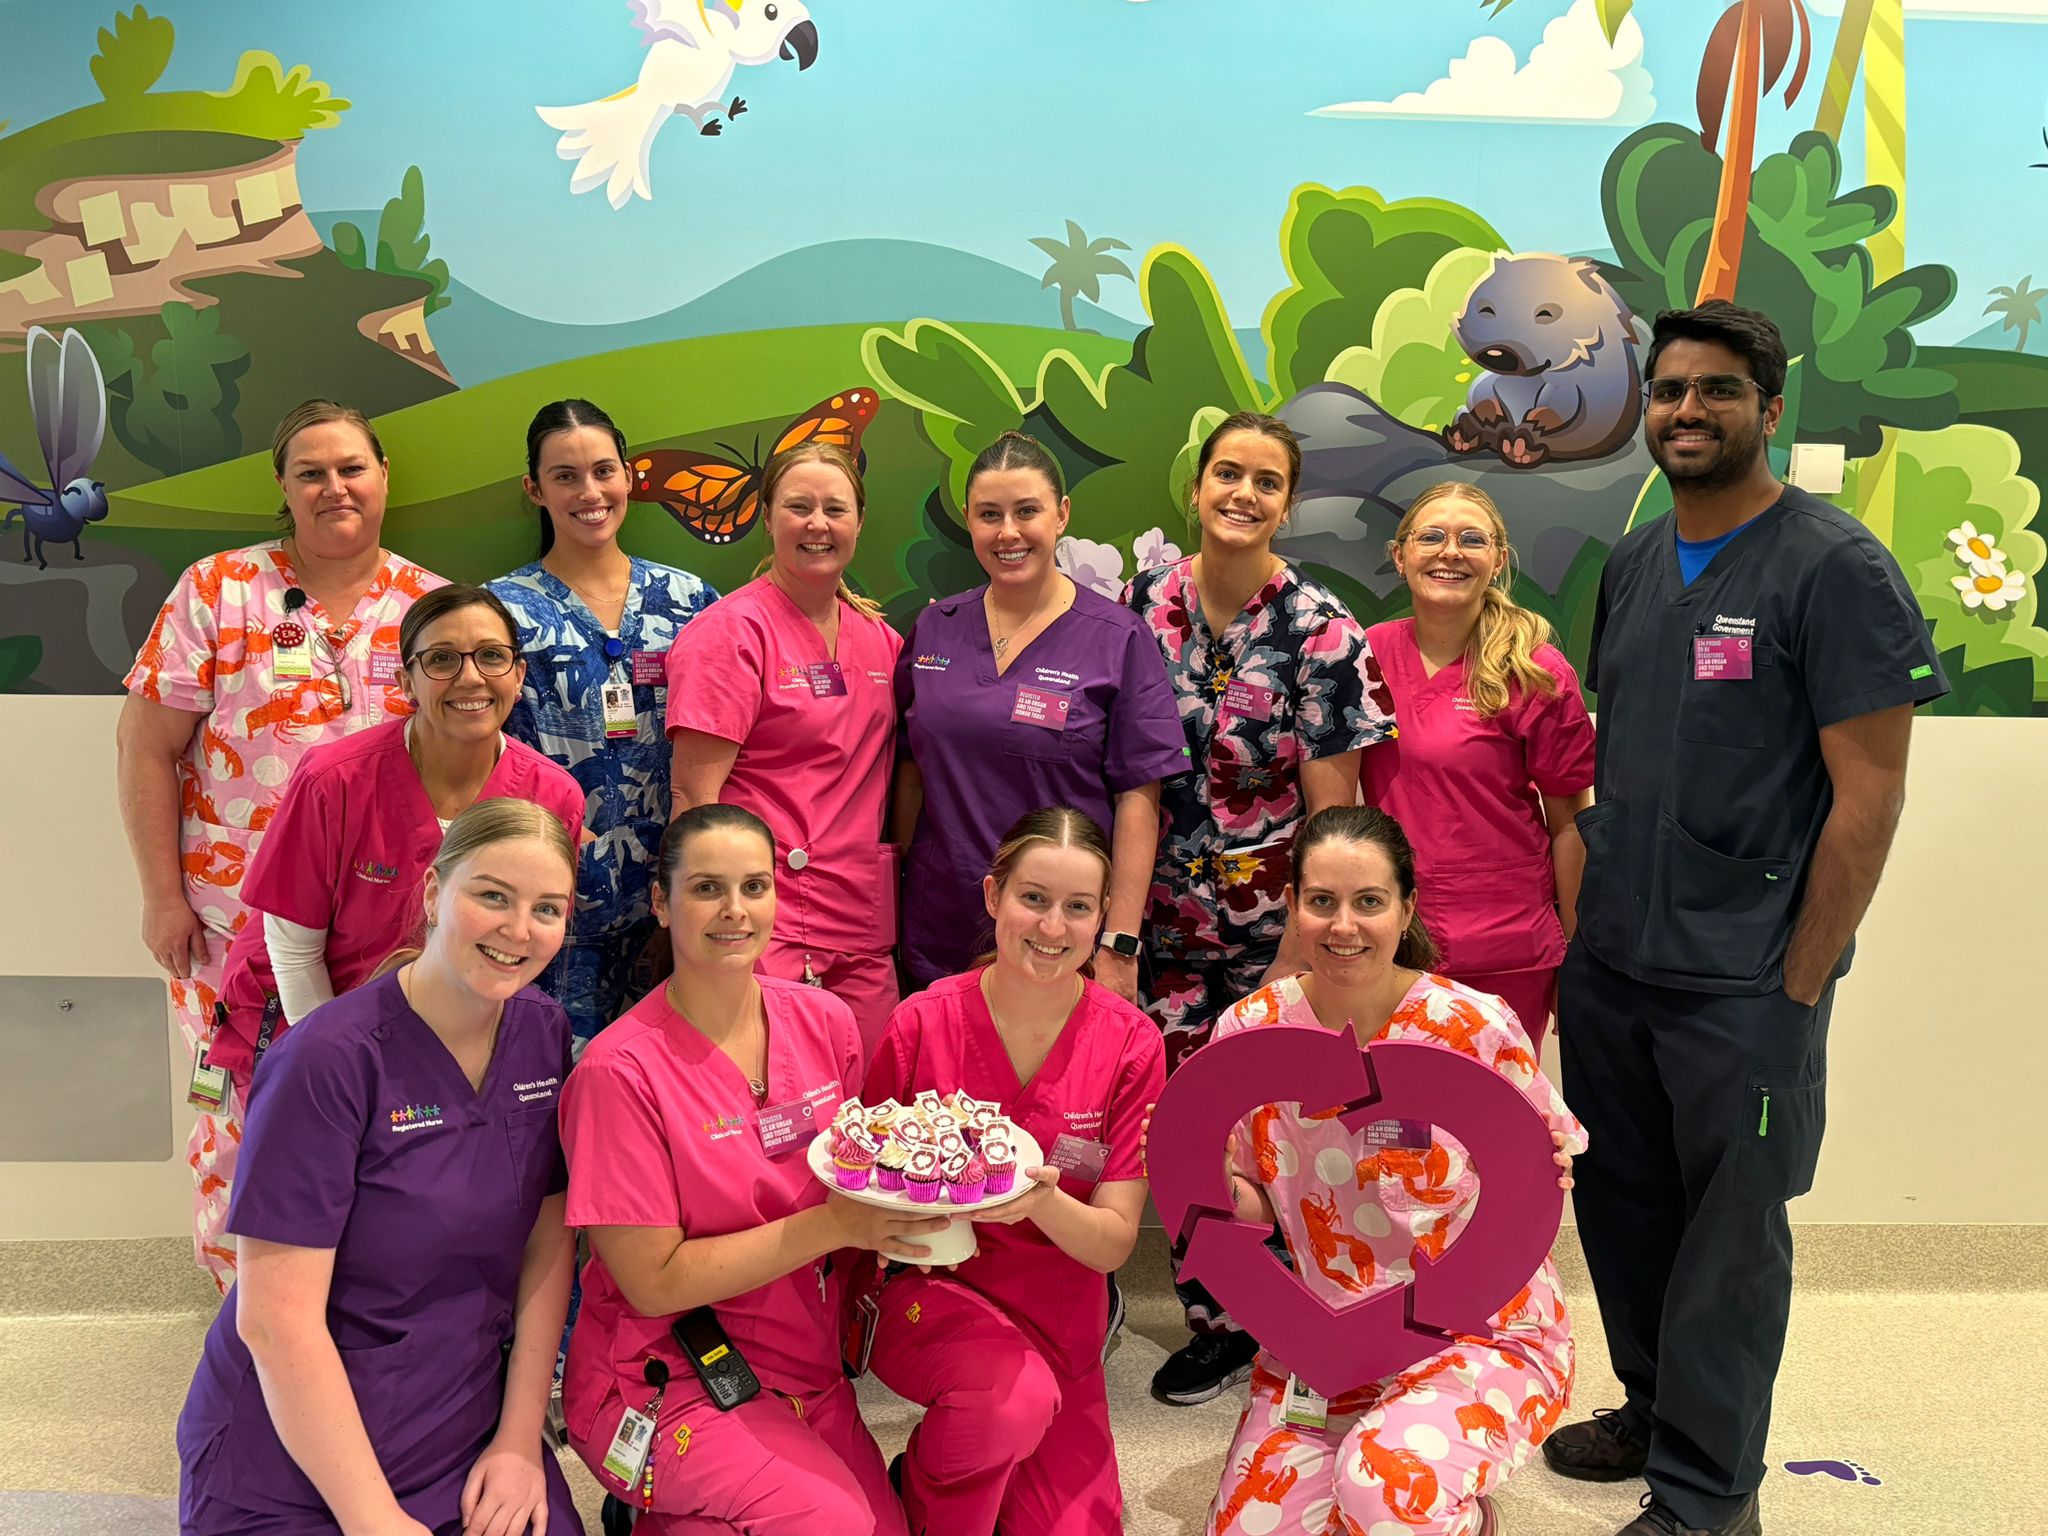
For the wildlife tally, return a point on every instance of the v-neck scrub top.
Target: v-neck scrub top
(1092, 1088)
(817, 738)
(348, 852)
(369, 1140)
(1083, 714)
(662, 1130)
(1469, 791)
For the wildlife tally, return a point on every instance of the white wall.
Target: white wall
(1934, 1103)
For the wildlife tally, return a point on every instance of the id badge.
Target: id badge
(1304, 1407)
(627, 1457)
(1723, 658)
(783, 1126)
(826, 679)
(1084, 1159)
(1250, 700)
(209, 1086)
(620, 718)
(650, 668)
(1041, 707)
(291, 653)
(384, 668)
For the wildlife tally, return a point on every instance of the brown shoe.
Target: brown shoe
(1658, 1520)
(1602, 1449)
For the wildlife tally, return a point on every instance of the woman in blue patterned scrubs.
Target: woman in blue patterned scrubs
(595, 625)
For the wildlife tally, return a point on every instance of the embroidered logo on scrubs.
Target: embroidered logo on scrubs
(1725, 625)
(415, 1117)
(539, 1088)
(375, 873)
(788, 675)
(932, 661)
(723, 1126)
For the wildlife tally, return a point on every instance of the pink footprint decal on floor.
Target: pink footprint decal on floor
(1844, 1471)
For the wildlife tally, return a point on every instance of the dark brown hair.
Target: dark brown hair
(565, 416)
(1371, 825)
(1018, 450)
(441, 602)
(658, 961)
(1264, 426)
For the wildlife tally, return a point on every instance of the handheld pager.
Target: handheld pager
(724, 1372)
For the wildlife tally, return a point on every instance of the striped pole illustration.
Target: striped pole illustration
(1884, 128)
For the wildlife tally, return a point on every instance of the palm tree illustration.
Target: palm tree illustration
(2018, 305)
(1078, 266)
(1611, 12)
(1747, 53)
(1872, 37)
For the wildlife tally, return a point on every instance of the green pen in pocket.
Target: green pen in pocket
(1763, 1124)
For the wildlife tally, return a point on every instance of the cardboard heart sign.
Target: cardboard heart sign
(1336, 1349)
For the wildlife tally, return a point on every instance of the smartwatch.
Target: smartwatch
(1125, 944)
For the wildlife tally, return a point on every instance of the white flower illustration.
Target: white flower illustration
(1098, 567)
(1152, 548)
(1979, 551)
(1992, 590)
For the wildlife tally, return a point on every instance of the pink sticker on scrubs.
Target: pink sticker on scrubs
(783, 1126)
(650, 667)
(826, 679)
(1248, 699)
(384, 668)
(1085, 1160)
(1722, 658)
(1041, 706)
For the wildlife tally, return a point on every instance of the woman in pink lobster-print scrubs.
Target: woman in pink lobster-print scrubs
(258, 655)
(1005, 1351)
(1423, 1451)
(1494, 758)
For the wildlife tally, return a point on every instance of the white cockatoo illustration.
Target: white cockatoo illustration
(693, 47)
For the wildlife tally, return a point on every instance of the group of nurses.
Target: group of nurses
(1005, 1351)
(595, 626)
(259, 655)
(1425, 1450)
(779, 701)
(382, 1362)
(1493, 760)
(336, 880)
(686, 1124)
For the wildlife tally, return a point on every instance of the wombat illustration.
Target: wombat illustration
(1561, 379)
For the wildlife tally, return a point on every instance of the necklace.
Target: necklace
(596, 600)
(989, 1002)
(1002, 642)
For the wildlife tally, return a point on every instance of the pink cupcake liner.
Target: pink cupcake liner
(967, 1194)
(922, 1192)
(1000, 1180)
(888, 1178)
(852, 1178)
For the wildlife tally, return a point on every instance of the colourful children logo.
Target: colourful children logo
(932, 661)
(720, 1126)
(375, 873)
(415, 1117)
(789, 675)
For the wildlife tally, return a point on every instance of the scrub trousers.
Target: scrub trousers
(866, 983)
(1411, 1455)
(598, 977)
(1005, 1442)
(1532, 995)
(1704, 1114)
(216, 1139)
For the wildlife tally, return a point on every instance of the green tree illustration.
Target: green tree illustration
(402, 243)
(177, 410)
(1078, 266)
(132, 56)
(2018, 306)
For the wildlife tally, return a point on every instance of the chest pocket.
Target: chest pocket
(535, 1147)
(1733, 712)
(1038, 743)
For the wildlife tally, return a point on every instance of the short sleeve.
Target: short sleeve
(1557, 733)
(715, 670)
(1345, 704)
(1862, 643)
(620, 1163)
(1599, 628)
(1140, 1077)
(176, 663)
(1146, 740)
(297, 868)
(296, 1180)
(906, 688)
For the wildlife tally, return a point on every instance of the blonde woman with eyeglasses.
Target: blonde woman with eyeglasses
(1494, 758)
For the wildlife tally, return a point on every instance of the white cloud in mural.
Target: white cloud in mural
(1573, 76)
(1954, 10)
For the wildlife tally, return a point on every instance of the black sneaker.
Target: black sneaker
(1116, 1319)
(1658, 1519)
(615, 1517)
(1206, 1366)
(1602, 1449)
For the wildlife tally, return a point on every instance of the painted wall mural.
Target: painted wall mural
(1433, 244)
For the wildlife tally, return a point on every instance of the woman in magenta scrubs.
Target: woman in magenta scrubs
(1025, 692)
(382, 1363)
(779, 701)
(1494, 758)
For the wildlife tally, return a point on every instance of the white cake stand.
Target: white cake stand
(954, 1245)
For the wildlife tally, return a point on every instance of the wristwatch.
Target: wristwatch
(1125, 944)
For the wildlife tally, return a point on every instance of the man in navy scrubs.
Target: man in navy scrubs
(1757, 657)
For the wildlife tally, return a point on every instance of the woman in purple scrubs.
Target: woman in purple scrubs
(1026, 692)
(382, 1364)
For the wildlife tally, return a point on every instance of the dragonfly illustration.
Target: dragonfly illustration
(67, 400)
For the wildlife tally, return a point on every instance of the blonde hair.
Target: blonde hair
(820, 452)
(1501, 655)
(1051, 826)
(485, 824)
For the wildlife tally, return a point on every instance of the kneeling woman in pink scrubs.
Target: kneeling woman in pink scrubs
(1005, 1352)
(1424, 1450)
(336, 881)
(382, 1363)
(1494, 759)
(780, 700)
(686, 1124)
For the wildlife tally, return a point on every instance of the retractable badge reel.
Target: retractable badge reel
(621, 720)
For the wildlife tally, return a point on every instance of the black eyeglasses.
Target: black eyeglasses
(1718, 391)
(442, 663)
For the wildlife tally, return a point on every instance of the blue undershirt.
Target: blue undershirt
(1694, 555)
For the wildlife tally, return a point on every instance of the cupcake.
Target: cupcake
(890, 1163)
(1001, 1160)
(929, 1102)
(921, 1175)
(882, 1119)
(850, 1112)
(853, 1157)
(913, 1130)
(966, 1180)
(978, 1122)
(951, 1144)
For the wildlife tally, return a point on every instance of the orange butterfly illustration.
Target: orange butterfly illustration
(718, 499)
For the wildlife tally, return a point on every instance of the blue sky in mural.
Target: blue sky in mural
(980, 123)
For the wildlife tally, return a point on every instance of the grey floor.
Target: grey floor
(1927, 1392)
